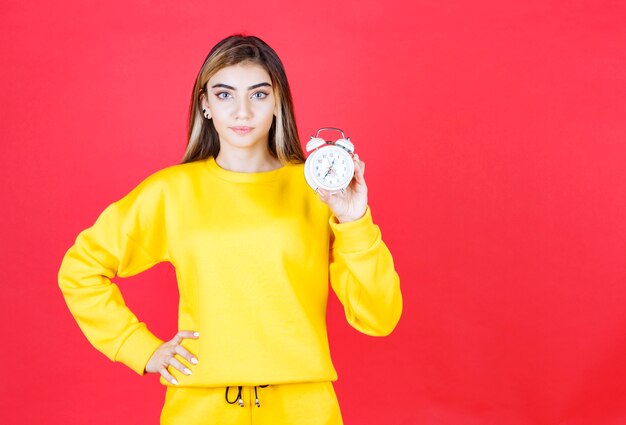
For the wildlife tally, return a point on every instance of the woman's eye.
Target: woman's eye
(260, 95)
(222, 95)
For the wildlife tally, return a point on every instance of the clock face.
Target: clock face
(330, 168)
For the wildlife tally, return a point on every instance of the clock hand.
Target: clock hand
(330, 170)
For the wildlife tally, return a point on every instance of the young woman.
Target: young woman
(254, 248)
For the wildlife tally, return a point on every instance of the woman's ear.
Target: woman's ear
(205, 106)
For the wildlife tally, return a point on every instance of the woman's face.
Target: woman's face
(242, 105)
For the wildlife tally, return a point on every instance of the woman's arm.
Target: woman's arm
(112, 247)
(361, 267)
(362, 275)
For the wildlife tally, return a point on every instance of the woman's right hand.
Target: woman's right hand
(164, 356)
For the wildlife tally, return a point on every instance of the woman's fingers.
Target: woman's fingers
(359, 168)
(165, 356)
(185, 334)
(178, 365)
(165, 373)
(184, 353)
(323, 194)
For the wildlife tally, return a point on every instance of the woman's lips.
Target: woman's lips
(241, 130)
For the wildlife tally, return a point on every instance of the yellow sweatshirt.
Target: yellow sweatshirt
(253, 254)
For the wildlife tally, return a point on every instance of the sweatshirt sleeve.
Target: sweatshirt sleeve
(126, 239)
(362, 275)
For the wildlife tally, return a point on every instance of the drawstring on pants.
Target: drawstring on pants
(239, 399)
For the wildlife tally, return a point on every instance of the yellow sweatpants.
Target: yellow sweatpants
(302, 404)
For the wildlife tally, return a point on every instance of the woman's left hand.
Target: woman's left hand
(352, 203)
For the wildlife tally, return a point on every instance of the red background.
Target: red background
(493, 134)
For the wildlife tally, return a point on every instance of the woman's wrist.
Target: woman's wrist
(349, 218)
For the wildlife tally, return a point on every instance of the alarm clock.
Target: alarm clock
(330, 165)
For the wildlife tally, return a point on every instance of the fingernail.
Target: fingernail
(196, 334)
(194, 360)
(187, 371)
(174, 381)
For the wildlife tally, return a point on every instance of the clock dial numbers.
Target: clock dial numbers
(331, 168)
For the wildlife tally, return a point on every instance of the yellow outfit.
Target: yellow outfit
(302, 404)
(253, 254)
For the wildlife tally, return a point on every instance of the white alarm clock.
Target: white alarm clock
(330, 166)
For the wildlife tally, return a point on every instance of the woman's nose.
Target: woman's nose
(243, 110)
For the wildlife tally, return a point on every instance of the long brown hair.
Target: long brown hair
(202, 138)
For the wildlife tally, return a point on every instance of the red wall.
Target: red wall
(493, 134)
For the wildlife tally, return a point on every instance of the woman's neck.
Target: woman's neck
(247, 161)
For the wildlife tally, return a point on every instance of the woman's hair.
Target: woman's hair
(203, 140)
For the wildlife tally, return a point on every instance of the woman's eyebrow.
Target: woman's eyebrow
(252, 87)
